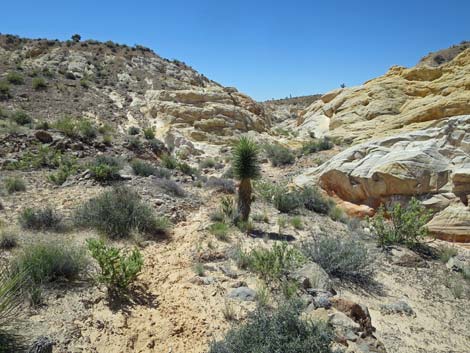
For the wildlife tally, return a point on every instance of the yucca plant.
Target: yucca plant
(12, 287)
(245, 167)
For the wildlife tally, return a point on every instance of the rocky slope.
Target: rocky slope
(122, 86)
(404, 99)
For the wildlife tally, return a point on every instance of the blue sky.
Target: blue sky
(264, 48)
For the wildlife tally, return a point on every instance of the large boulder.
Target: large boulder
(432, 164)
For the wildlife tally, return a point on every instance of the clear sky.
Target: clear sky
(264, 48)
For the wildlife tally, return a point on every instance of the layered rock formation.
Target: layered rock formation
(423, 163)
(401, 100)
(124, 86)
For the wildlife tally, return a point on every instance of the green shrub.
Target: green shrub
(133, 130)
(149, 133)
(168, 161)
(199, 269)
(39, 83)
(15, 78)
(134, 143)
(105, 129)
(107, 140)
(315, 201)
(44, 157)
(52, 261)
(117, 271)
(279, 331)
(288, 201)
(317, 145)
(105, 168)
(21, 118)
(119, 212)
(406, 225)
(14, 184)
(207, 163)
(4, 89)
(274, 264)
(77, 128)
(42, 125)
(222, 185)
(87, 130)
(170, 187)
(279, 155)
(41, 219)
(157, 146)
(186, 169)
(219, 230)
(142, 168)
(447, 252)
(297, 223)
(84, 83)
(67, 166)
(341, 257)
(8, 240)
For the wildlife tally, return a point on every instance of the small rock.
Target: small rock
(311, 275)
(238, 284)
(399, 307)
(454, 264)
(43, 136)
(203, 280)
(406, 258)
(228, 272)
(42, 345)
(243, 293)
(342, 320)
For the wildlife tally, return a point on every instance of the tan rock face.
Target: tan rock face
(452, 223)
(433, 161)
(401, 100)
(205, 114)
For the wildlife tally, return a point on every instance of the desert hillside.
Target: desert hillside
(147, 208)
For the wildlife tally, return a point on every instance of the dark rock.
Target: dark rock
(43, 136)
(42, 345)
(311, 275)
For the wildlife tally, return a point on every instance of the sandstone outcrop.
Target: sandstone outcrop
(425, 163)
(401, 100)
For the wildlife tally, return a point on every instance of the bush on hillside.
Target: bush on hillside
(41, 219)
(279, 155)
(278, 331)
(105, 168)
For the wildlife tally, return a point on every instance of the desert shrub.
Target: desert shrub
(39, 83)
(274, 264)
(117, 213)
(170, 187)
(134, 143)
(316, 145)
(15, 78)
(117, 270)
(220, 184)
(227, 206)
(186, 169)
(207, 163)
(288, 201)
(105, 168)
(142, 168)
(4, 89)
(14, 184)
(87, 130)
(279, 155)
(161, 172)
(199, 269)
(21, 118)
(406, 225)
(133, 130)
(67, 166)
(51, 261)
(42, 125)
(447, 252)
(267, 190)
(43, 157)
(67, 126)
(105, 129)
(168, 161)
(341, 257)
(8, 240)
(219, 230)
(157, 146)
(107, 140)
(315, 201)
(279, 331)
(149, 133)
(84, 83)
(41, 219)
(296, 222)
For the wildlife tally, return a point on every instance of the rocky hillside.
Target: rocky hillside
(404, 99)
(123, 86)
